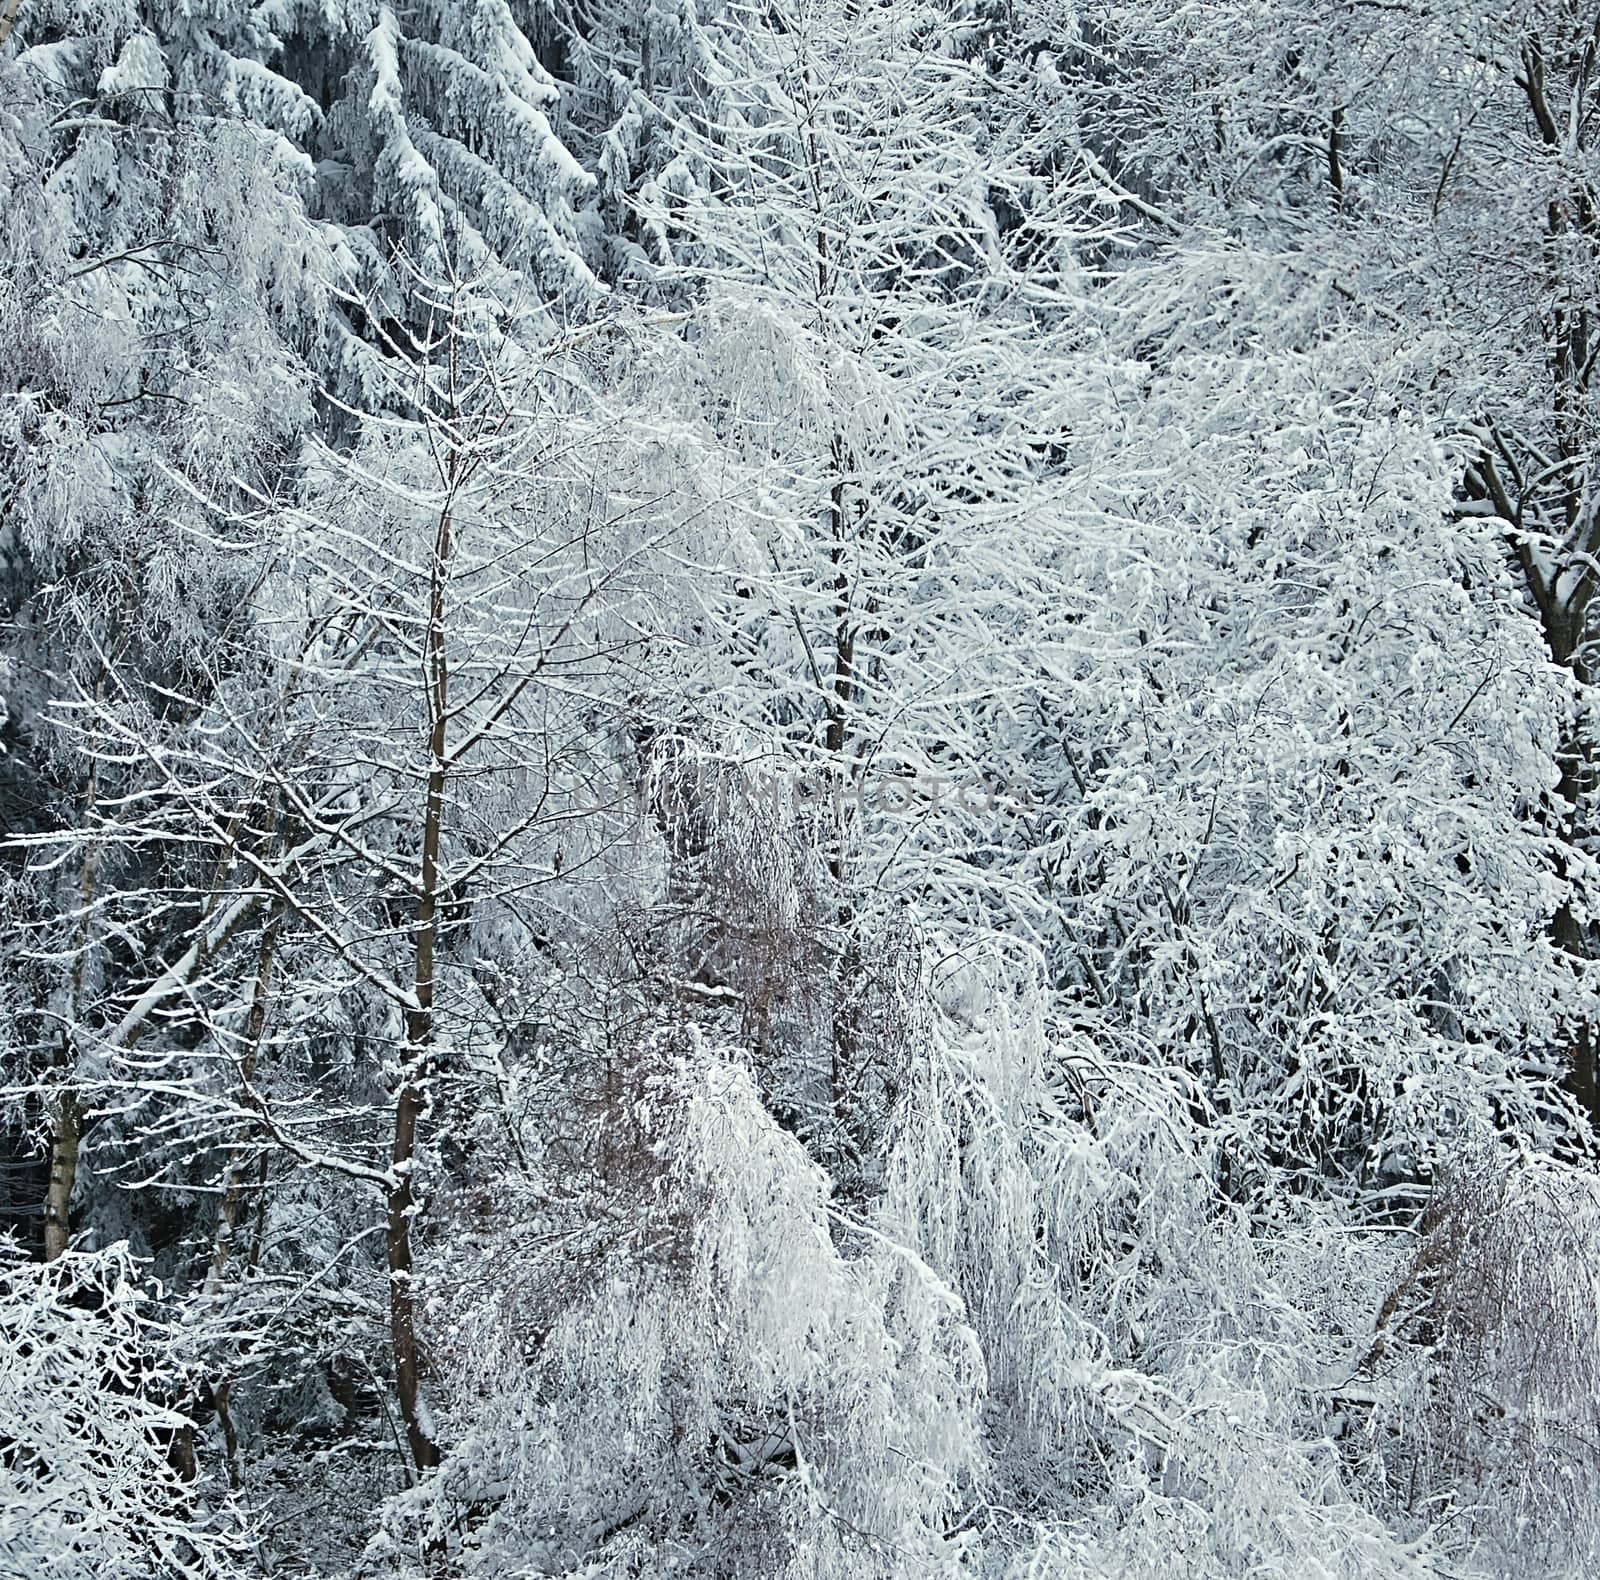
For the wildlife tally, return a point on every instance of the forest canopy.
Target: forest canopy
(799, 789)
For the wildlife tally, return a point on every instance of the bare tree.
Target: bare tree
(365, 800)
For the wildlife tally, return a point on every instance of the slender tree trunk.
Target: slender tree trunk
(402, 1308)
(1570, 935)
(234, 1177)
(412, 1101)
(846, 1029)
(63, 1174)
(69, 1115)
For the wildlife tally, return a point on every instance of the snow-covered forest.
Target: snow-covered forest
(803, 789)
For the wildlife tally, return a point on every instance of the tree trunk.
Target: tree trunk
(63, 1174)
(412, 1101)
(1582, 1075)
(255, 1029)
(402, 1309)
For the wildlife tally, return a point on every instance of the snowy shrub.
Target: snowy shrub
(1485, 1365)
(87, 1489)
(684, 1342)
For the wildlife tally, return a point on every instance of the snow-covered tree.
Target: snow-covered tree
(354, 811)
(441, 147)
(88, 1489)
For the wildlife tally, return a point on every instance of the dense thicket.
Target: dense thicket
(799, 789)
